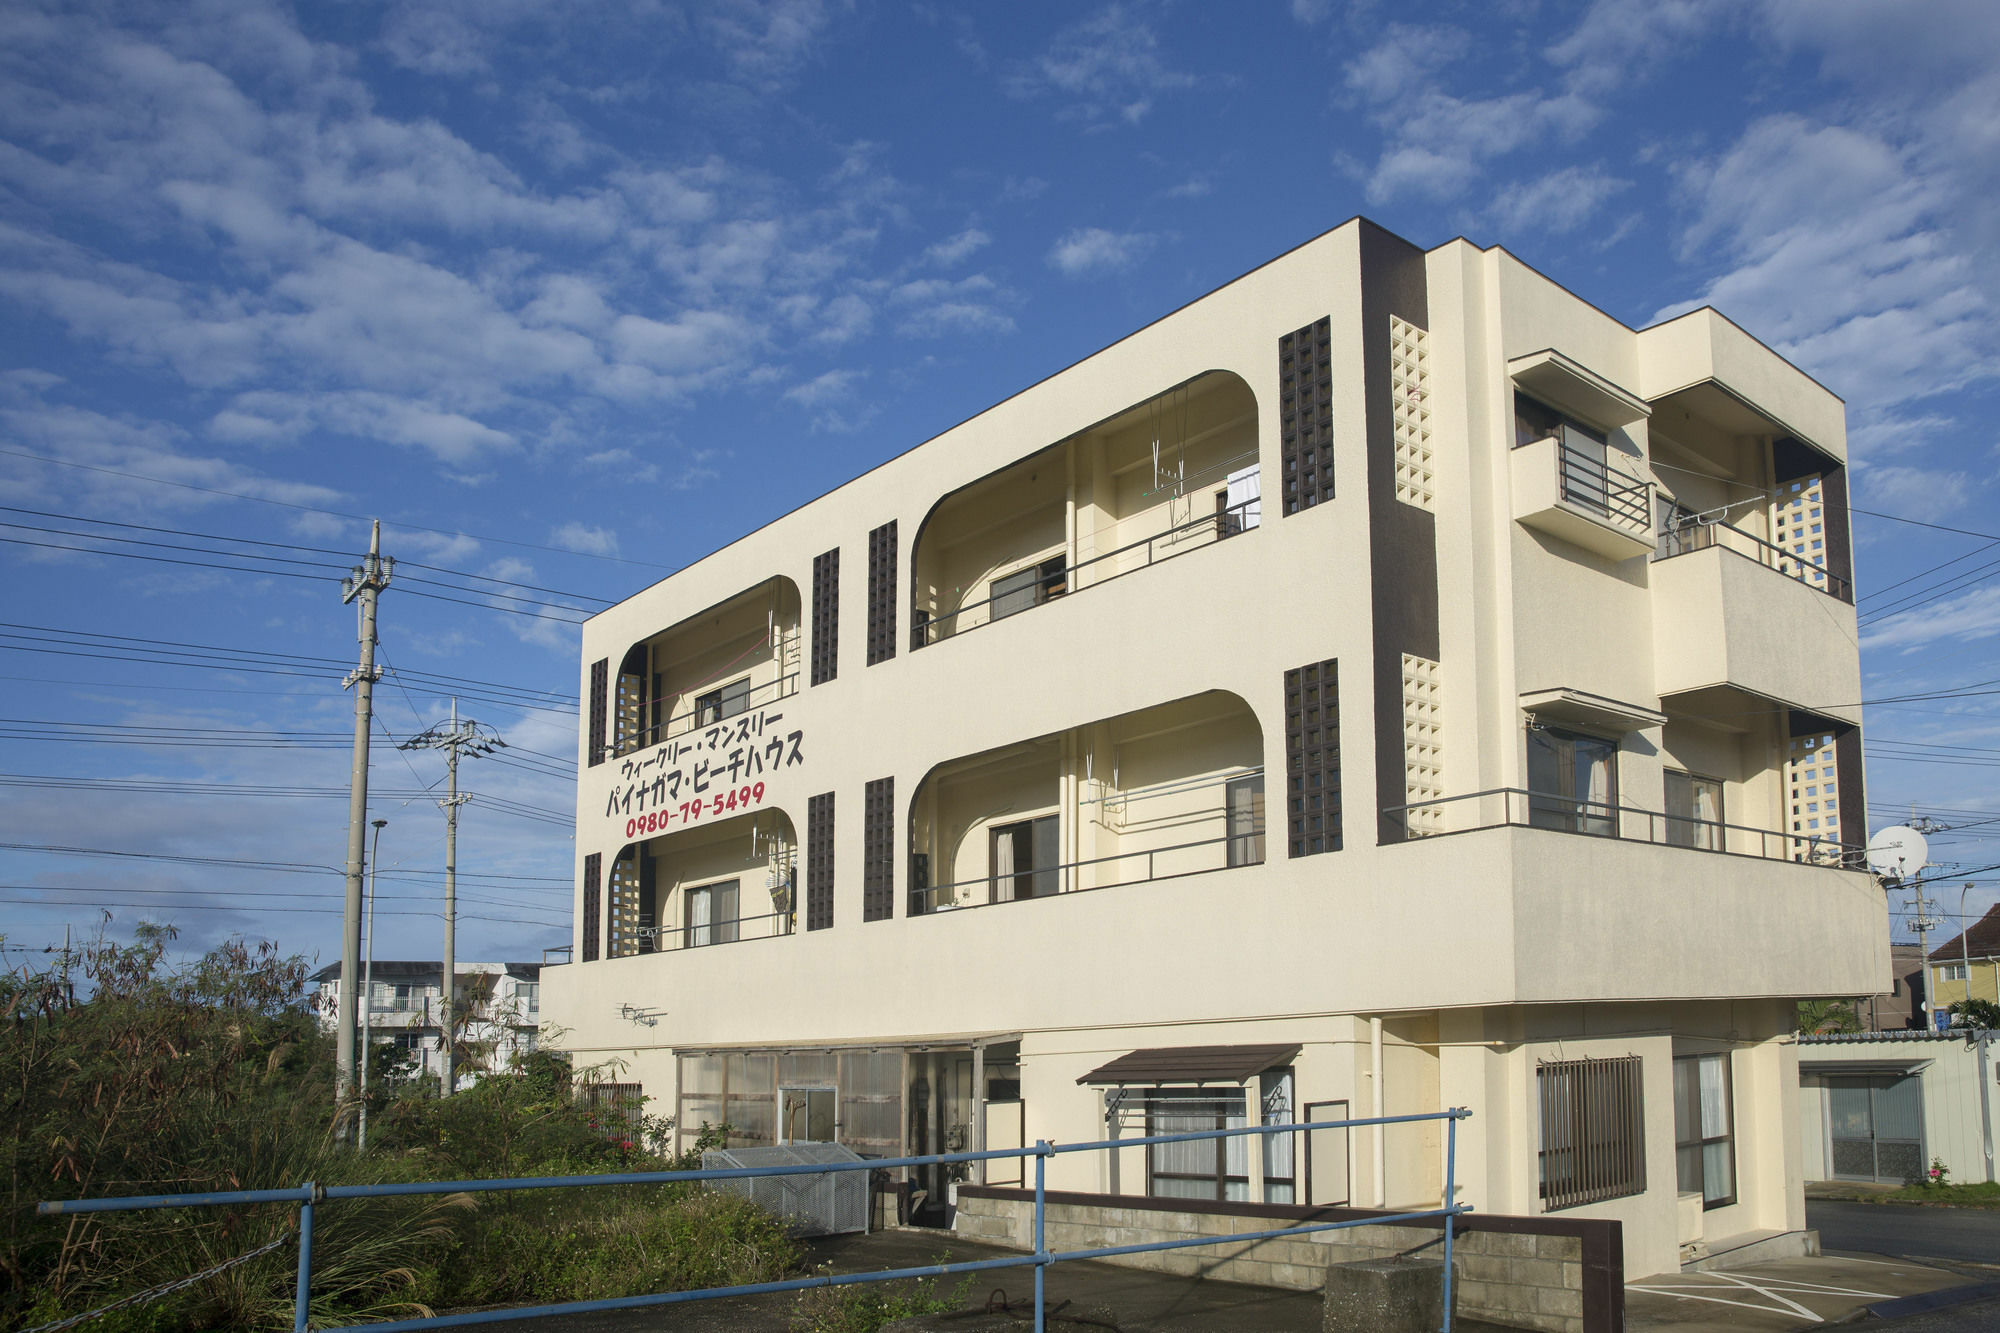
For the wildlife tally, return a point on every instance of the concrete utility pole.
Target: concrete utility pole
(454, 738)
(365, 584)
(1922, 922)
(368, 981)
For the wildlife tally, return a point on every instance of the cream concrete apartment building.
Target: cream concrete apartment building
(1387, 683)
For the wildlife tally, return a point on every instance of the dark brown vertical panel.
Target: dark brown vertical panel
(819, 861)
(593, 888)
(1305, 416)
(1853, 796)
(1312, 758)
(600, 705)
(1402, 538)
(878, 850)
(826, 617)
(882, 593)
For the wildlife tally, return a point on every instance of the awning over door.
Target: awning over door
(1191, 1064)
(1863, 1068)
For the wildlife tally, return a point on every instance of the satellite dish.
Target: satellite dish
(1897, 852)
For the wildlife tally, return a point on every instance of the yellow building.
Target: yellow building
(1387, 683)
(1967, 966)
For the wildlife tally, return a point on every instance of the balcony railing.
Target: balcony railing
(647, 938)
(1590, 481)
(1176, 540)
(1517, 807)
(634, 736)
(1201, 857)
(1700, 536)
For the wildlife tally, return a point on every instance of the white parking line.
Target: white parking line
(1772, 1289)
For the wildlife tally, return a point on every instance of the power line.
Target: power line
(332, 513)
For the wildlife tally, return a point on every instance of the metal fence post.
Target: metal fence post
(305, 1257)
(1041, 1244)
(1450, 1202)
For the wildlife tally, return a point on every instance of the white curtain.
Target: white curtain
(1003, 868)
(698, 917)
(1246, 488)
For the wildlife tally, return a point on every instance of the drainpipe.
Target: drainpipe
(1986, 1105)
(979, 1109)
(1381, 1131)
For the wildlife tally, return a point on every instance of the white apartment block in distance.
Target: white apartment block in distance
(1385, 684)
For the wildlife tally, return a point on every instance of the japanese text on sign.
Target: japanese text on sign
(704, 773)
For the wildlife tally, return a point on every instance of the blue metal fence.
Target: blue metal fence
(309, 1196)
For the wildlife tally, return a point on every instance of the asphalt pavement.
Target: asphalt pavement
(1913, 1231)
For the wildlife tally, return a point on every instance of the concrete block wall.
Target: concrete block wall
(1525, 1280)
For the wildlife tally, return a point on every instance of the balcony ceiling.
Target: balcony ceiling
(1563, 704)
(1554, 378)
(1717, 404)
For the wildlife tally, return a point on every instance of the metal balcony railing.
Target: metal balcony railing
(1517, 807)
(1199, 857)
(646, 937)
(635, 734)
(1590, 482)
(1178, 539)
(1686, 537)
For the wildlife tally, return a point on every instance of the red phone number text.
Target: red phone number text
(687, 812)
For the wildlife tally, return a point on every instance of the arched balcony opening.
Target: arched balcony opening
(1176, 789)
(736, 656)
(720, 882)
(1173, 474)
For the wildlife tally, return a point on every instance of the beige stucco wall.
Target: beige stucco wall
(1465, 944)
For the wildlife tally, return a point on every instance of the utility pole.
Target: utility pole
(454, 738)
(1922, 922)
(365, 584)
(368, 981)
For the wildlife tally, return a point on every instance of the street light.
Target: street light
(368, 984)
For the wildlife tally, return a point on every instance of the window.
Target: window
(529, 994)
(1280, 1152)
(1244, 807)
(412, 1043)
(728, 701)
(1694, 811)
(1029, 587)
(1572, 782)
(1584, 465)
(1200, 1168)
(1593, 1143)
(712, 914)
(1023, 857)
(1952, 972)
(1704, 1148)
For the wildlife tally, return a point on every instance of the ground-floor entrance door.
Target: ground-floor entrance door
(1876, 1124)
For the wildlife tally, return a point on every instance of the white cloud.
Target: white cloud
(583, 538)
(1092, 250)
(826, 388)
(1970, 617)
(1558, 202)
(957, 248)
(1404, 61)
(1106, 68)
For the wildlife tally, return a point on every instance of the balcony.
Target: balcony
(1517, 807)
(720, 883)
(1174, 474)
(1733, 615)
(1168, 791)
(733, 658)
(1570, 487)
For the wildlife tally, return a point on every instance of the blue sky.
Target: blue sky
(570, 295)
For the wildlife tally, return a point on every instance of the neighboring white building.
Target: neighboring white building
(1881, 1106)
(1385, 682)
(406, 1009)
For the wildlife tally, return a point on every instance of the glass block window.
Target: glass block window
(1410, 387)
(1312, 758)
(1814, 818)
(1423, 745)
(1799, 531)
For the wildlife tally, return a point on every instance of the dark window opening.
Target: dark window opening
(1244, 807)
(712, 915)
(728, 701)
(1704, 1141)
(1572, 782)
(1023, 857)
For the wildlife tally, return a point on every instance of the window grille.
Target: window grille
(600, 706)
(1593, 1144)
(1312, 758)
(1410, 386)
(593, 873)
(819, 861)
(1423, 746)
(882, 593)
(826, 617)
(1305, 415)
(878, 850)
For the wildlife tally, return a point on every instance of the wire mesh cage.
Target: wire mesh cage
(827, 1203)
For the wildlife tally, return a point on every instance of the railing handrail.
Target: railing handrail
(1847, 850)
(1204, 521)
(1031, 871)
(1678, 535)
(666, 730)
(1627, 501)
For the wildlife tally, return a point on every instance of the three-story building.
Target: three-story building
(1387, 683)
